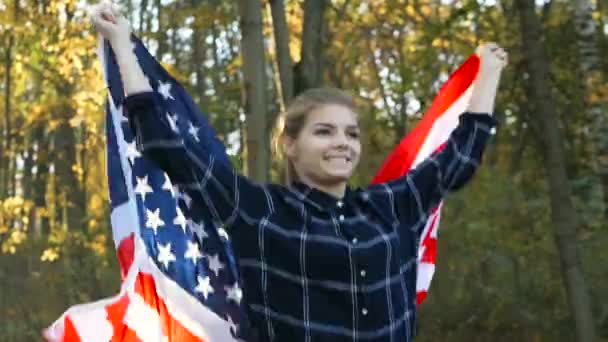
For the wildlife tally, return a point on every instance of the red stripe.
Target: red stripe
(420, 295)
(70, 332)
(146, 288)
(430, 244)
(401, 158)
(116, 314)
(126, 252)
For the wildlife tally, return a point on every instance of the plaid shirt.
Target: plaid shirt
(315, 267)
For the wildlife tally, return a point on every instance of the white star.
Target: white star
(187, 199)
(173, 122)
(198, 230)
(142, 188)
(204, 286)
(215, 265)
(193, 130)
(153, 219)
(165, 90)
(193, 252)
(180, 220)
(222, 232)
(165, 256)
(168, 186)
(235, 293)
(132, 152)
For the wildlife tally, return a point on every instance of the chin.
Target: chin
(339, 176)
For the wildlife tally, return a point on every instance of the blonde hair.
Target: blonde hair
(290, 123)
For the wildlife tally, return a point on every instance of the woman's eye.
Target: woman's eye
(354, 135)
(322, 132)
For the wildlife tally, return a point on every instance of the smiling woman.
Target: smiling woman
(318, 138)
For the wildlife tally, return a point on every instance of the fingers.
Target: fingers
(491, 46)
(493, 50)
(104, 11)
(500, 53)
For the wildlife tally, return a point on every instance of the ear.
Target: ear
(289, 147)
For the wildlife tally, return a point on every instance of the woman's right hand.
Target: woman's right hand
(113, 26)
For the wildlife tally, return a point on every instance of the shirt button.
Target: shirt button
(364, 311)
(341, 218)
(363, 273)
(340, 204)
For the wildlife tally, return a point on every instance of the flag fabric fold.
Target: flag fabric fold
(180, 280)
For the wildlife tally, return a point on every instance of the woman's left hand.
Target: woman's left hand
(493, 57)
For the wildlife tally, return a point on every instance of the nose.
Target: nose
(341, 141)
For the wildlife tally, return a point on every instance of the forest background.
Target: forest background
(522, 251)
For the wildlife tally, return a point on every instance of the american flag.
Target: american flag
(429, 137)
(180, 278)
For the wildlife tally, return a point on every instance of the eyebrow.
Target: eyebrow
(329, 125)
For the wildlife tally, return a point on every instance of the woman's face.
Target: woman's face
(327, 149)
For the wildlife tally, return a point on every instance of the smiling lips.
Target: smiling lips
(347, 159)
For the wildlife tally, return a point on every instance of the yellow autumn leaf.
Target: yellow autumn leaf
(50, 255)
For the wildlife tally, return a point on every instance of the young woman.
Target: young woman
(320, 261)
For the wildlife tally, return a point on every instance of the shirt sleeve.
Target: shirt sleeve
(211, 183)
(418, 193)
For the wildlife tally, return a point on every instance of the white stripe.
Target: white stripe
(56, 331)
(123, 220)
(143, 320)
(93, 325)
(443, 127)
(89, 321)
(425, 275)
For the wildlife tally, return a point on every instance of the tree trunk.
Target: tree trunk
(281, 38)
(565, 218)
(7, 138)
(41, 223)
(309, 70)
(198, 54)
(65, 159)
(592, 72)
(161, 36)
(143, 7)
(254, 72)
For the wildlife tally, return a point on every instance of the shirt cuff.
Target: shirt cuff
(484, 119)
(136, 102)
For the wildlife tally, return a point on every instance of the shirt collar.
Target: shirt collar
(320, 199)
